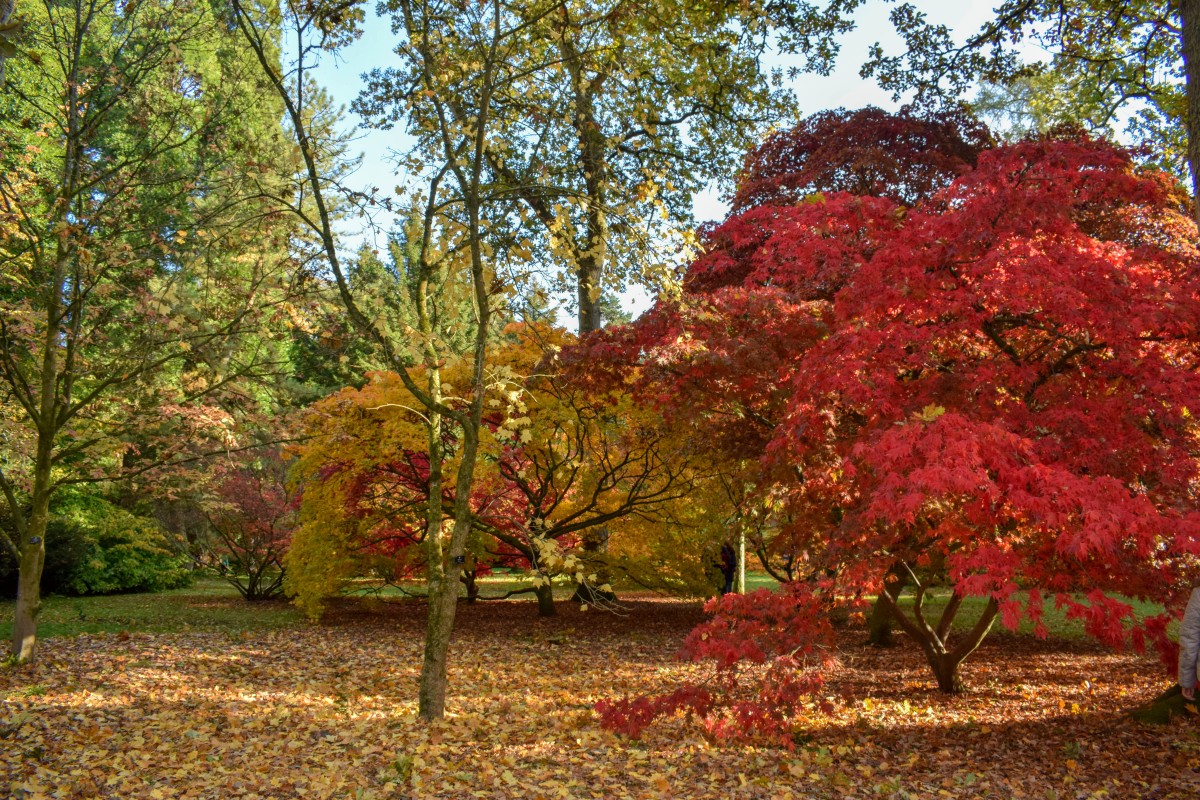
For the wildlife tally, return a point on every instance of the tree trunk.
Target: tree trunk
(741, 560)
(1189, 23)
(945, 671)
(33, 544)
(29, 587)
(595, 541)
(431, 695)
(943, 658)
(469, 581)
(545, 598)
(879, 625)
(431, 698)
(591, 256)
(588, 278)
(33, 558)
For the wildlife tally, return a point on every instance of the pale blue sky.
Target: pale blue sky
(341, 76)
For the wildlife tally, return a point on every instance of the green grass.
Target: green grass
(208, 605)
(1057, 624)
(213, 605)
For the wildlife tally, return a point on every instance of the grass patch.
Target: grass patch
(1055, 619)
(208, 605)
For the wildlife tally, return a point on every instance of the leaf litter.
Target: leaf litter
(329, 711)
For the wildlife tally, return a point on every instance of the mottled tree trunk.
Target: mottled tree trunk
(33, 557)
(29, 588)
(443, 591)
(431, 694)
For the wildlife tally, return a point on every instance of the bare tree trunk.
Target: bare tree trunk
(33, 549)
(545, 599)
(443, 587)
(1189, 22)
(431, 694)
(944, 659)
(879, 625)
(29, 584)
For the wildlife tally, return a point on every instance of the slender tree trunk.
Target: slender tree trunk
(879, 625)
(33, 544)
(443, 591)
(1189, 22)
(741, 560)
(443, 599)
(545, 599)
(33, 556)
(29, 583)
(469, 579)
(444, 570)
(431, 694)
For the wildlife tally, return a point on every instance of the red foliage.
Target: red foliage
(905, 157)
(253, 521)
(997, 384)
(767, 649)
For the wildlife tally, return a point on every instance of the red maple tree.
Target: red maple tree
(987, 392)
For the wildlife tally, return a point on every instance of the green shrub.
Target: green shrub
(125, 553)
(94, 547)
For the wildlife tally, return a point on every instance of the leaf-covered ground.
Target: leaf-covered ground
(327, 711)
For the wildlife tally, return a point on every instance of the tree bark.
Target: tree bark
(29, 587)
(879, 626)
(33, 552)
(592, 256)
(545, 599)
(943, 659)
(1189, 23)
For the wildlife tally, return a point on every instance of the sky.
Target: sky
(341, 75)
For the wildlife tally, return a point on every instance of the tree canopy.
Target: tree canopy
(987, 391)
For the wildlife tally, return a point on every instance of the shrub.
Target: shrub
(125, 553)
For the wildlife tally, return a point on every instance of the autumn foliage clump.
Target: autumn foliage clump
(989, 393)
(905, 157)
(766, 652)
(252, 518)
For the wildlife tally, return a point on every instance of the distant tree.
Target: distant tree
(137, 277)
(1035, 105)
(556, 461)
(614, 119)
(252, 518)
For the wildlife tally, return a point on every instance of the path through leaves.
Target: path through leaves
(328, 712)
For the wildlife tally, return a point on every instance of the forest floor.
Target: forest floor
(292, 710)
